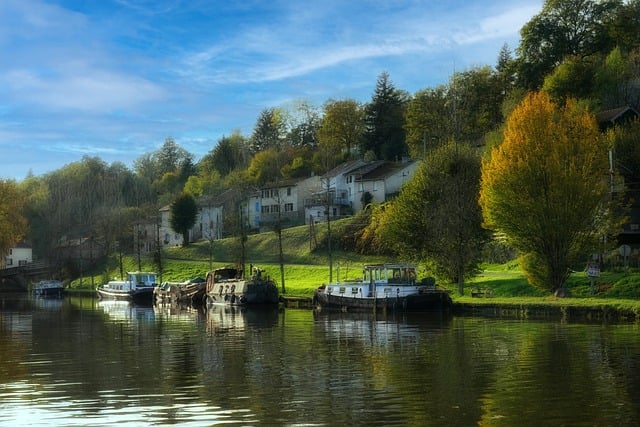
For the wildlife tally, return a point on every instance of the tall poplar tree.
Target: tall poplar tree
(546, 187)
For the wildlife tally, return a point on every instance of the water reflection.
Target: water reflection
(84, 362)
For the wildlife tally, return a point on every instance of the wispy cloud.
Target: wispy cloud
(99, 78)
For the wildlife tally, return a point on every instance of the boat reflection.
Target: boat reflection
(382, 328)
(230, 318)
(126, 311)
(180, 312)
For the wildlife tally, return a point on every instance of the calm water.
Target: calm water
(81, 362)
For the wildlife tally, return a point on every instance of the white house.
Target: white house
(346, 188)
(21, 254)
(283, 200)
(377, 181)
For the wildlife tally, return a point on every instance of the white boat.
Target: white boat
(137, 287)
(386, 287)
(48, 288)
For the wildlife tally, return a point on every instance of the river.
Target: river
(80, 362)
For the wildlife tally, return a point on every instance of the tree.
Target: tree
(304, 123)
(436, 217)
(545, 187)
(341, 130)
(563, 28)
(384, 121)
(231, 152)
(571, 79)
(427, 120)
(183, 215)
(13, 225)
(475, 98)
(269, 130)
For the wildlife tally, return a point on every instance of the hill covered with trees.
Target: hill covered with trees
(583, 54)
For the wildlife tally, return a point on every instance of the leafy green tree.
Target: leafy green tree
(616, 80)
(384, 134)
(427, 120)
(231, 152)
(304, 123)
(269, 130)
(341, 130)
(571, 79)
(436, 217)
(475, 99)
(265, 167)
(562, 29)
(624, 29)
(544, 187)
(13, 225)
(184, 211)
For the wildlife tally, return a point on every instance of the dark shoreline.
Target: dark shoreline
(600, 313)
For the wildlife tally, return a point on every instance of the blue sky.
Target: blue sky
(115, 78)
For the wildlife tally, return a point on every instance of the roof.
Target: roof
(345, 168)
(378, 170)
(612, 116)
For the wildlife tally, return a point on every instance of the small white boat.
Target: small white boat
(386, 287)
(137, 287)
(48, 288)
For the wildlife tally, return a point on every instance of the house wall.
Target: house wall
(288, 199)
(18, 257)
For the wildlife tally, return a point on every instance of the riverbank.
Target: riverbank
(564, 309)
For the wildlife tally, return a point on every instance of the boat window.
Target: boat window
(342, 289)
(354, 290)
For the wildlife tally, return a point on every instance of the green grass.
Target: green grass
(305, 269)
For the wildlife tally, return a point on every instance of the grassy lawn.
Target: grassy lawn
(307, 268)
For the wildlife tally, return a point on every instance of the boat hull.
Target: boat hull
(434, 300)
(263, 293)
(49, 289)
(192, 293)
(140, 295)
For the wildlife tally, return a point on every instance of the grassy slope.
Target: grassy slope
(306, 269)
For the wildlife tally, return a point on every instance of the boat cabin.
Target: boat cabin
(381, 281)
(134, 280)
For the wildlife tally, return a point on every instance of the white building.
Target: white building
(347, 188)
(282, 201)
(19, 255)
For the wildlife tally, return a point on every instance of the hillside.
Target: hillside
(307, 266)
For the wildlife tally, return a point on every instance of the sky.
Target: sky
(116, 78)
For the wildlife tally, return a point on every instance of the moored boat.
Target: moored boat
(190, 292)
(385, 287)
(137, 287)
(48, 288)
(227, 286)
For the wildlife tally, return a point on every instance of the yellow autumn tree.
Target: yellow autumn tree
(546, 187)
(13, 226)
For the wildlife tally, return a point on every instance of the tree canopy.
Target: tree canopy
(13, 225)
(545, 187)
(436, 217)
(184, 211)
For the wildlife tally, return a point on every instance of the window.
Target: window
(288, 207)
(275, 208)
(288, 191)
(265, 209)
(257, 207)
